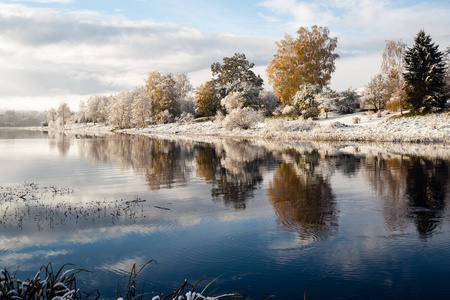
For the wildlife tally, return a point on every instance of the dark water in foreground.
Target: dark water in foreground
(270, 220)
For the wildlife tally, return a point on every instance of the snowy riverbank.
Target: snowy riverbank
(434, 128)
(424, 129)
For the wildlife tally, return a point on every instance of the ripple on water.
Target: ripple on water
(276, 239)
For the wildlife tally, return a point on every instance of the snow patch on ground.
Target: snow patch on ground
(434, 128)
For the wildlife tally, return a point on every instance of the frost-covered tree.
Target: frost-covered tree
(424, 75)
(307, 59)
(63, 113)
(348, 102)
(97, 109)
(141, 107)
(120, 109)
(235, 75)
(81, 113)
(305, 97)
(373, 93)
(447, 72)
(268, 101)
(232, 101)
(326, 101)
(51, 117)
(392, 69)
(185, 92)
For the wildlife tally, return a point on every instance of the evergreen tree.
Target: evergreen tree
(424, 75)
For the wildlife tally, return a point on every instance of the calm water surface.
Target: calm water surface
(338, 223)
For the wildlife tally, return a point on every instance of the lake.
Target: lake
(331, 221)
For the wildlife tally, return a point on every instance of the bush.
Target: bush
(232, 101)
(243, 118)
(312, 112)
(185, 118)
(165, 117)
(289, 110)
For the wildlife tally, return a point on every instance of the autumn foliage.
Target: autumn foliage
(307, 59)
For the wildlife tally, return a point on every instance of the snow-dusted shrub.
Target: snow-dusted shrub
(278, 111)
(243, 118)
(219, 117)
(281, 128)
(311, 113)
(356, 120)
(232, 101)
(289, 110)
(268, 101)
(344, 106)
(165, 117)
(185, 118)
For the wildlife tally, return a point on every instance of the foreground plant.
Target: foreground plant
(53, 285)
(62, 285)
(184, 292)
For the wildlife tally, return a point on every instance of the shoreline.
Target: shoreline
(427, 136)
(429, 129)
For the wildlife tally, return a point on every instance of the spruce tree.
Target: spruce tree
(424, 75)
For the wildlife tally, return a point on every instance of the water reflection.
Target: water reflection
(256, 206)
(412, 188)
(233, 168)
(426, 189)
(302, 195)
(60, 140)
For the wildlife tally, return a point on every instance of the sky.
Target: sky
(68, 50)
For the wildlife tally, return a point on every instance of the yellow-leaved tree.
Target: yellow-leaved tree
(307, 59)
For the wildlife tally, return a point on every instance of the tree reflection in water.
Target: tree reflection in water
(60, 140)
(427, 184)
(302, 196)
(412, 188)
(233, 168)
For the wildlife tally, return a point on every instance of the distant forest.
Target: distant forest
(12, 118)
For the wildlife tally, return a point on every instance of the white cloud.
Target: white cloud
(365, 20)
(82, 53)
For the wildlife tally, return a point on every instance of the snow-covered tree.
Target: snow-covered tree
(232, 101)
(51, 117)
(392, 69)
(348, 102)
(268, 101)
(81, 113)
(141, 107)
(326, 101)
(235, 75)
(447, 73)
(373, 93)
(97, 109)
(185, 93)
(305, 97)
(120, 109)
(424, 75)
(63, 114)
